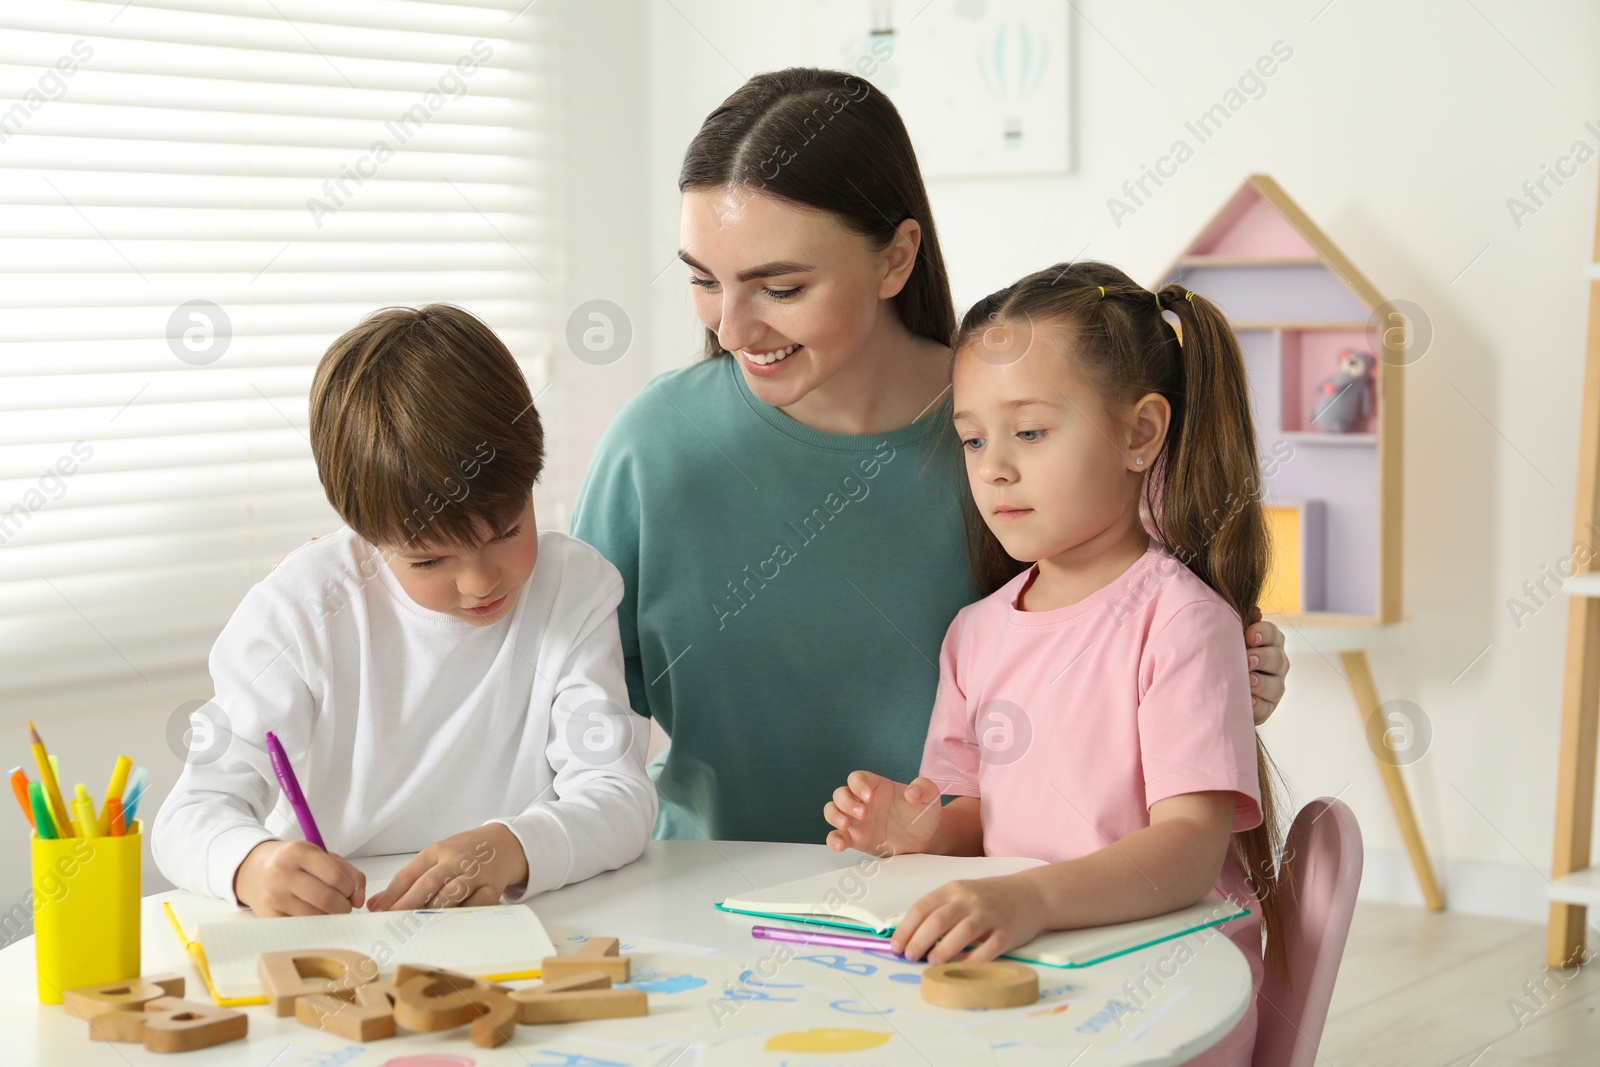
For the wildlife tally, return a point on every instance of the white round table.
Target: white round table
(1161, 1005)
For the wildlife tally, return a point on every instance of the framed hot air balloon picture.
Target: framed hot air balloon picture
(984, 86)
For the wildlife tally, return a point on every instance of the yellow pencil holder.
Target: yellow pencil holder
(86, 911)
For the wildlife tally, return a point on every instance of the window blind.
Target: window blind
(196, 197)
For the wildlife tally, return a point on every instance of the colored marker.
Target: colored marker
(115, 827)
(817, 937)
(119, 779)
(43, 824)
(19, 787)
(83, 817)
(291, 789)
(135, 792)
(52, 790)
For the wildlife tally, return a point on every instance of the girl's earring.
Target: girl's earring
(1138, 461)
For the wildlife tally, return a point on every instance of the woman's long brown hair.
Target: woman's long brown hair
(1202, 492)
(828, 140)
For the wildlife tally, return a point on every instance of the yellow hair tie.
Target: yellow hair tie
(1102, 292)
(1189, 296)
(1158, 301)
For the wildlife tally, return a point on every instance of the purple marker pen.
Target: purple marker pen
(291, 789)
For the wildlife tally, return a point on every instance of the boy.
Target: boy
(443, 677)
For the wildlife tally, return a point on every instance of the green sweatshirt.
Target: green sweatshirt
(786, 592)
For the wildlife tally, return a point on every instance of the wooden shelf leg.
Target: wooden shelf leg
(1580, 710)
(1359, 674)
(1580, 687)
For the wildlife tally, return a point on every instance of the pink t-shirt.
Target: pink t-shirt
(1070, 723)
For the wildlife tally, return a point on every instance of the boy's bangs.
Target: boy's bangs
(440, 499)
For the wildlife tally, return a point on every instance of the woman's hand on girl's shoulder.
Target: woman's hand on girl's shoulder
(874, 814)
(1269, 666)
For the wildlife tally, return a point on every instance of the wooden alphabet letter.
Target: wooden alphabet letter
(368, 1015)
(287, 976)
(430, 999)
(174, 1025)
(596, 954)
(133, 994)
(577, 998)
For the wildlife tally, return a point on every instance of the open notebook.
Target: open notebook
(501, 943)
(876, 902)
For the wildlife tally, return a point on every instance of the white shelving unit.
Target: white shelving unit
(1582, 886)
(1575, 879)
(1582, 584)
(1295, 300)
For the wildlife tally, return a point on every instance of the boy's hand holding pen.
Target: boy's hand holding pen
(296, 877)
(288, 877)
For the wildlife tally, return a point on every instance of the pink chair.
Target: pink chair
(1320, 872)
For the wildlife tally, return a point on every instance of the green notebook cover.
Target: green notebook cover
(873, 895)
(1022, 955)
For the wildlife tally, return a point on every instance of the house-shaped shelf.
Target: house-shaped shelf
(1331, 462)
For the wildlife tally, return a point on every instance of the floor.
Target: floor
(1419, 989)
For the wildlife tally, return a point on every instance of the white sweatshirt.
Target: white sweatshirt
(405, 725)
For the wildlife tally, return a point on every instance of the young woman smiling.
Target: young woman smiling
(787, 513)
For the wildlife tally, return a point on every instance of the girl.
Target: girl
(790, 560)
(1094, 710)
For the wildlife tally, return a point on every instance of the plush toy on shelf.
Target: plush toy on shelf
(1344, 398)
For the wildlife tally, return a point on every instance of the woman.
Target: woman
(787, 513)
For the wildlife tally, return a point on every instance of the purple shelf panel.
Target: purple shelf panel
(1345, 480)
(1276, 294)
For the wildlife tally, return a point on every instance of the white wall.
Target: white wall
(604, 212)
(1402, 129)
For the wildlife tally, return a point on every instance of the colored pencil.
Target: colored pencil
(119, 780)
(43, 824)
(52, 790)
(135, 792)
(19, 787)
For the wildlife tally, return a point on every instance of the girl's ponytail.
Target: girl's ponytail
(1210, 505)
(1210, 516)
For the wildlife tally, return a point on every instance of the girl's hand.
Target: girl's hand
(466, 870)
(993, 915)
(872, 812)
(1269, 665)
(297, 878)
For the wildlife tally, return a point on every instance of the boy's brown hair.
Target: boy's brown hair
(423, 429)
